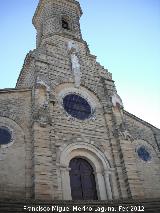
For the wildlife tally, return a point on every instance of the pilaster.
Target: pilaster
(127, 154)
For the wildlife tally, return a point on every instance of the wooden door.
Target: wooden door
(82, 180)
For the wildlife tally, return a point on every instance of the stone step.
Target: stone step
(146, 206)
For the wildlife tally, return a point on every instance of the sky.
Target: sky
(123, 34)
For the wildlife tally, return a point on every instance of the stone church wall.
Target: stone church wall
(27, 75)
(46, 137)
(15, 158)
(149, 172)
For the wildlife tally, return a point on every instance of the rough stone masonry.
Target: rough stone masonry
(64, 133)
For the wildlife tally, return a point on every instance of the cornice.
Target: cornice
(9, 90)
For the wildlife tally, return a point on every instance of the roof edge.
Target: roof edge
(6, 90)
(141, 120)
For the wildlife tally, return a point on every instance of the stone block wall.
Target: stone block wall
(46, 137)
(15, 159)
(145, 135)
(27, 75)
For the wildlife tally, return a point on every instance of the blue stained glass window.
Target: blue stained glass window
(77, 106)
(5, 136)
(143, 153)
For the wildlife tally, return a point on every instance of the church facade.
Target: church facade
(64, 133)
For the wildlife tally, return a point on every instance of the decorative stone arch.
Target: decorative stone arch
(12, 117)
(98, 162)
(67, 88)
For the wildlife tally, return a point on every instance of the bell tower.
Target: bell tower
(57, 17)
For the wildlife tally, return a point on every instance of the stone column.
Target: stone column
(108, 184)
(121, 191)
(127, 157)
(66, 188)
(100, 182)
(42, 152)
(42, 161)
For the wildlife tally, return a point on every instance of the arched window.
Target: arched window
(65, 24)
(82, 180)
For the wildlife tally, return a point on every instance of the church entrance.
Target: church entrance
(82, 180)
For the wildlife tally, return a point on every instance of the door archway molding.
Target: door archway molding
(97, 160)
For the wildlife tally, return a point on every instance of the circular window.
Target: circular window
(77, 106)
(143, 153)
(5, 136)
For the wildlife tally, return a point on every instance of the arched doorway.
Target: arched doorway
(82, 180)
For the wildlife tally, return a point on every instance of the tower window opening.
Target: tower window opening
(65, 24)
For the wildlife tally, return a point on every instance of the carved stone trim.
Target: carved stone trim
(84, 95)
(122, 133)
(116, 100)
(41, 113)
(41, 83)
(73, 51)
(42, 116)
